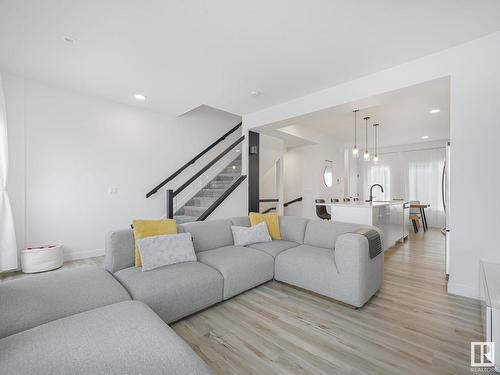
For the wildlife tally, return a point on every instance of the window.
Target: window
(380, 174)
(328, 174)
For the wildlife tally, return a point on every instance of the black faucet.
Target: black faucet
(371, 191)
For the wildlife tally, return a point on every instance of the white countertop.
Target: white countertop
(360, 204)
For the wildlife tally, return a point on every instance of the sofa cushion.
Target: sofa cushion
(242, 268)
(119, 248)
(123, 338)
(293, 228)
(323, 233)
(37, 299)
(159, 251)
(249, 235)
(210, 234)
(174, 291)
(149, 228)
(241, 221)
(271, 220)
(308, 267)
(275, 247)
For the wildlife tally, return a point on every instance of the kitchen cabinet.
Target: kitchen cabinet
(391, 217)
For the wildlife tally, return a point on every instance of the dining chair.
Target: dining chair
(321, 210)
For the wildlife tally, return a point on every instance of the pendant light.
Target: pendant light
(366, 155)
(355, 150)
(375, 130)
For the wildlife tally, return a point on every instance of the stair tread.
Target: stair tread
(208, 194)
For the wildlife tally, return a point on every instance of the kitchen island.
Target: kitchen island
(392, 217)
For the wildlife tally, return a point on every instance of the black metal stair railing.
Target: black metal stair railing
(191, 162)
(299, 199)
(221, 199)
(170, 193)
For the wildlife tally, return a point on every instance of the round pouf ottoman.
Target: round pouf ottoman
(40, 259)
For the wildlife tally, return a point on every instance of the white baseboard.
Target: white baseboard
(463, 290)
(75, 255)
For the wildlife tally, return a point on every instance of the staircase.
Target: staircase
(212, 191)
(206, 189)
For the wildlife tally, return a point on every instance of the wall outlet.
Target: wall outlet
(112, 190)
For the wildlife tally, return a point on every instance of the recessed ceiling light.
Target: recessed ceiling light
(68, 39)
(437, 110)
(255, 93)
(425, 137)
(139, 97)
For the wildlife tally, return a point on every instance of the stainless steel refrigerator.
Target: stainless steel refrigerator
(445, 192)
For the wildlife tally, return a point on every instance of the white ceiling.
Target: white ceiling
(403, 116)
(182, 54)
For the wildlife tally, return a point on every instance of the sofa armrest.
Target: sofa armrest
(119, 247)
(352, 249)
(353, 262)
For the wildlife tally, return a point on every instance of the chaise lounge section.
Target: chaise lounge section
(38, 299)
(122, 338)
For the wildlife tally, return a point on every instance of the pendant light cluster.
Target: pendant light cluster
(366, 154)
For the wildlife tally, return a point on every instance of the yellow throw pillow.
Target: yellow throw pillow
(272, 221)
(149, 228)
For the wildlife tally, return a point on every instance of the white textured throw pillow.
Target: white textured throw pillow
(248, 235)
(158, 251)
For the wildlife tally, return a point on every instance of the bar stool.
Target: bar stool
(321, 210)
(415, 216)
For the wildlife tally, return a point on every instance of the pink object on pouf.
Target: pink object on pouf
(41, 259)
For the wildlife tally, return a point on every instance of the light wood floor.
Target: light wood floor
(88, 262)
(412, 326)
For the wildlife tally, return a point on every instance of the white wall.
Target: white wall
(304, 176)
(67, 149)
(270, 150)
(474, 69)
(302, 169)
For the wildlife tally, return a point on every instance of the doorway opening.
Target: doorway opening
(399, 140)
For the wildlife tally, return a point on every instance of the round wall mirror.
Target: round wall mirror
(328, 175)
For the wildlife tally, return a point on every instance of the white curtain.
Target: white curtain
(8, 247)
(380, 174)
(423, 171)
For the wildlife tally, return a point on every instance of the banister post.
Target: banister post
(169, 204)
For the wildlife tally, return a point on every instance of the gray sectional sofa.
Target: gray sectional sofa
(65, 320)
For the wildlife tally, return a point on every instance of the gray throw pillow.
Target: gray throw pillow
(158, 251)
(248, 235)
